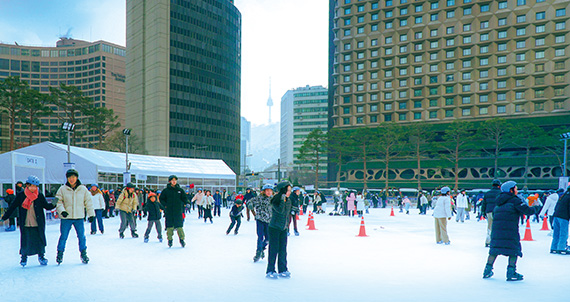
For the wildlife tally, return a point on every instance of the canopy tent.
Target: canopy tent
(93, 165)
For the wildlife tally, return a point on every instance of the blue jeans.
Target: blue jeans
(98, 220)
(559, 234)
(65, 227)
(262, 234)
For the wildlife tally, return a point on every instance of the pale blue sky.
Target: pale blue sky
(282, 39)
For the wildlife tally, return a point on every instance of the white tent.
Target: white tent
(96, 166)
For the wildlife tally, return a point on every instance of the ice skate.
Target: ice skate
(84, 257)
(121, 235)
(512, 275)
(134, 234)
(488, 271)
(24, 261)
(59, 257)
(146, 240)
(42, 260)
(271, 275)
(169, 243)
(182, 243)
(285, 274)
(257, 256)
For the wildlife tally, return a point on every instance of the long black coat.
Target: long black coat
(173, 199)
(10, 200)
(505, 238)
(39, 205)
(489, 200)
(153, 210)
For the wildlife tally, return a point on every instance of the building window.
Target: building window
(417, 115)
(466, 100)
(484, 8)
(484, 74)
(521, 19)
(559, 52)
(560, 25)
(466, 112)
(432, 114)
(433, 17)
(484, 37)
(467, 11)
(540, 29)
(484, 24)
(519, 108)
(502, 4)
(388, 107)
(449, 102)
(521, 2)
(387, 117)
(539, 55)
(540, 15)
(560, 12)
(433, 103)
(538, 106)
(521, 44)
(448, 113)
(402, 117)
(483, 98)
(374, 119)
(557, 65)
(519, 95)
(483, 110)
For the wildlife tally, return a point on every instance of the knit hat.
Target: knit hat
(71, 172)
(130, 185)
(33, 180)
(171, 177)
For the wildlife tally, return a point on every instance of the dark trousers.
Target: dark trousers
(217, 210)
(200, 211)
(262, 235)
(127, 219)
(225, 202)
(294, 219)
(98, 221)
(207, 214)
(235, 220)
(277, 250)
(158, 226)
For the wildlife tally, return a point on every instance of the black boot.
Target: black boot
(257, 256)
(134, 234)
(488, 271)
(169, 243)
(512, 274)
(59, 257)
(24, 261)
(42, 259)
(121, 235)
(84, 257)
(182, 243)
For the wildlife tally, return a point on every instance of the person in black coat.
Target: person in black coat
(9, 198)
(487, 207)
(173, 198)
(152, 211)
(560, 226)
(31, 204)
(505, 238)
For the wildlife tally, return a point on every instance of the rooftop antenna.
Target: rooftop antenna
(269, 101)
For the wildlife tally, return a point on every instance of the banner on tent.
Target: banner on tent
(29, 161)
(141, 177)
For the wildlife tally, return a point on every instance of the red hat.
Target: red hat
(152, 194)
(10, 191)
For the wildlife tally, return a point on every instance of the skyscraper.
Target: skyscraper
(183, 77)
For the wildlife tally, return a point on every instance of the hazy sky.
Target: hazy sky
(282, 39)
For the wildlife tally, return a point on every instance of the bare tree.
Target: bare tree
(457, 137)
(12, 91)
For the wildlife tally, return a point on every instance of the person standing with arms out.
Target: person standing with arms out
(260, 207)
(560, 228)
(207, 205)
(488, 206)
(217, 203)
(98, 205)
(198, 200)
(442, 213)
(235, 216)
(461, 206)
(9, 198)
(505, 238)
(31, 205)
(173, 198)
(127, 204)
(280, 212)
(73, 201)
(152, 209)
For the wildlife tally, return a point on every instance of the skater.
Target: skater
(359, 204)
(127, 204)
(225, 197)
(461, 203)
(442, 213)
(31, 204)
(112, 200)
(350, 204)
(197, 199)
(296, 194)
(217, 203)
(505, 238)
(406, 201)
(549, 207)
(280, 212)
(9, 198)
(423, 204)
(73, 201)
(235, 216)
(98, 205)
(249, 194)
(207, 205)
(488, 206)
(260, 207)
(152, 209)
(173, 199)
(560, 228)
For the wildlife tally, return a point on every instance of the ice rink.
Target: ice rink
(399, 261)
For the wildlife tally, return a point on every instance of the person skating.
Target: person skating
(127, 204)
(208, 205)
(549, 207)
(260, 207)
(9, 198)
(98, 205)
(217, 203)
(488, 206)
(235, 216)
(560, 226)
(152, 210)
(112, 200)
(249, 194)
(461, 203)
(295, 196)
(280, 212)
(173, 198)
(197, 199)
(505, 238)
(73, 201)
(31, 205)
(441, 214)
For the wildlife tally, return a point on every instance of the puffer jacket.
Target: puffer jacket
(198, 198)
(74, 201)
(280, 212)
(489, 200)
(207, 202)
(261, 204)
(126, 203)
(98, 201)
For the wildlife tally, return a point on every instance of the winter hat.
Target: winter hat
(71, 172)
(295, 189)
(152, 194)
(267, 186)
(10, 191)
(496, 182)
(560, 191)
(95, 185)
(507, 186)
(282, 186)
(171, 177)
(445, 190)
(33, 180)
(130, 185)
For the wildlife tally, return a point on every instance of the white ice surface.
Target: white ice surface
(399, 261)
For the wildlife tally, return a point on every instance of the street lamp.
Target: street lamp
(565, 137)
(245, 156)
(127, 175)
(68, 127)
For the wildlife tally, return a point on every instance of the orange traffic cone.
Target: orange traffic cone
(309, 218)
(312, 223)
(527, 232)
(545, 224)
(301, 212)
(362, 232)
(296, 216)
(355, 214)
(392, 212)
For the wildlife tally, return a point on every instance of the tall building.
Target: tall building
(97, 68)
(437, 61)
(183, 77)
(245, 143)
(302, 110)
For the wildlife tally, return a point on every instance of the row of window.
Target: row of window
(61, 53)
(433, 4)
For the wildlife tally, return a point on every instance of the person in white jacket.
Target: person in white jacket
(548, 208)
(73, 201)
(461, 206)
(442, 213)
(98, 205)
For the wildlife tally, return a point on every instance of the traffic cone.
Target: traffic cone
(362, 232)
(301, 212)
(296, 216)
(355, 214)
(309, 218)
(312, 223)
(527, 232)
(545, 224)
(392, 212)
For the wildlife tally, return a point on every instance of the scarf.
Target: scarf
(30, 197)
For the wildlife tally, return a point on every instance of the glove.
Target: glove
(91, 219)
(64, 214)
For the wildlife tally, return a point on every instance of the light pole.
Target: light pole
(127, 175)
(69, 128)
(196, 147)
(245, 156)
(564, 137)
